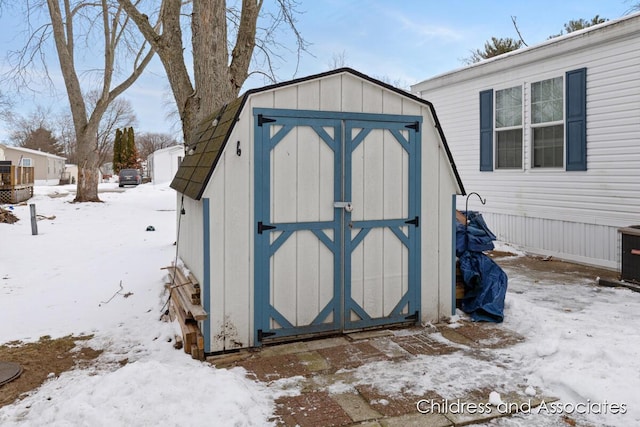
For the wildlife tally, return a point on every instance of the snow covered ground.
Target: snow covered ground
(582, 342)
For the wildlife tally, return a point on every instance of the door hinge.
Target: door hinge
(413, 317)
(415, 126)
(415, 221)
(262, 119)
(262, 227)
(262, 335)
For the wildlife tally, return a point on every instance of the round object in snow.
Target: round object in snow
(151, 228)
(9, 371)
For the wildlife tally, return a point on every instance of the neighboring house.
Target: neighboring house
(71, 172)
(48, 168)
(70, 175)
(550, 136)
(1, 152)
(319, 205)
(163, 164)
(107, 170)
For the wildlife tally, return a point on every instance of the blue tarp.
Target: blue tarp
(485, 283)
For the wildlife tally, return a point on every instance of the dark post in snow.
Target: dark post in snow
(34, 221)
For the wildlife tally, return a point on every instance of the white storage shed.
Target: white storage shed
(163, 164)
(320, 205)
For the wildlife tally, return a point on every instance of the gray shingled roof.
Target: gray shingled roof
(196, 168)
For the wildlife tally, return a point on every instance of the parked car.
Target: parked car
(129, 177)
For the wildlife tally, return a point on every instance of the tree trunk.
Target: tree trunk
(86, 127)
(88, 176)
(216, 80)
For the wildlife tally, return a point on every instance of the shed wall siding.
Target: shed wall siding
(230, 190)
(190, 239)
(555, 211)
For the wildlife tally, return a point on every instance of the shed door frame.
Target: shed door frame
(349, 130)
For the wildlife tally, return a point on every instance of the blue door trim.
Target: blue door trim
(206, 285)
(411, 240)
(265, 313)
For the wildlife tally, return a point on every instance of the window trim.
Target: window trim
(533, 126)
(508, 128)
(574, 121)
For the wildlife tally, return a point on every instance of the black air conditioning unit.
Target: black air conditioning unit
(630, 253)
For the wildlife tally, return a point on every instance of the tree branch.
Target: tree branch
(515, 25)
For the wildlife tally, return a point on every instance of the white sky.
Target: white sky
(401, 42)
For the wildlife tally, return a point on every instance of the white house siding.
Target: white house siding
(231, 192)
(569, 214)
(163, 164)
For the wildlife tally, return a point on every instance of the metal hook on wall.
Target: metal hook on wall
(466, 207)
(466, 220)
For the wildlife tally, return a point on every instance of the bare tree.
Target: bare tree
(103, 28)
(22, 127)
(5, 106)
(220, 65)
(338, 60)
(67, 136)
(149, 142)
(119, 114)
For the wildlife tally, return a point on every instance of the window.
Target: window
(556, 124)
(508, 125)
(25, 161)
(547, 123)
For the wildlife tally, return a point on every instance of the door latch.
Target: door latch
(347, 206)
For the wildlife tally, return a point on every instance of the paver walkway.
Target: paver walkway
(331, 395)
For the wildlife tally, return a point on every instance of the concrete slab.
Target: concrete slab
(313, 361)
(356, 407)
(280, 349)
(326, 343)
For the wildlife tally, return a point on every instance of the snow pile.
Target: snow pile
(582, 344)
(94, 269)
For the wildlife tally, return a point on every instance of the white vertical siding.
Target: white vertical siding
(555, 211)
(164, 163)
(438, 187)
(189, 239)
(230, 192)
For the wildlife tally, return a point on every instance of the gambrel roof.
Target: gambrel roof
(203, 153)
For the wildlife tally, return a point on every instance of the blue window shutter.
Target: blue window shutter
(576, 121)
(486, 130)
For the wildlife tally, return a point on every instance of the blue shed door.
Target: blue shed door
(337, 217)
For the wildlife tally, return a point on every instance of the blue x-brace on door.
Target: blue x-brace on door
(337, 217)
